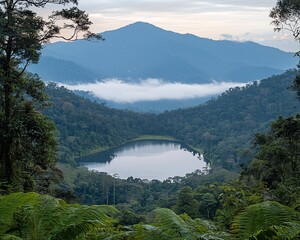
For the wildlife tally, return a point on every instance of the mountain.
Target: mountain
(64, 71)
(141, 51)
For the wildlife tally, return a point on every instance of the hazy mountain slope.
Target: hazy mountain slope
(64, 71)
(141, 50)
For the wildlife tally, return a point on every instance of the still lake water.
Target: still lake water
(149, 159)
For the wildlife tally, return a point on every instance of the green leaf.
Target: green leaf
(263, 219)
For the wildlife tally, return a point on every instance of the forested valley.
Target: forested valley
(249, 135)
(223, 128)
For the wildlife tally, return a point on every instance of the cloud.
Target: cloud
(204, 18)
(151, 90)
(227, 36)
(177, 5)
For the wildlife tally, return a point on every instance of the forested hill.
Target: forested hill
(84, 125)
(222, 127)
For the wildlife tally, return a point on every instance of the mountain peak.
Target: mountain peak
(140, 26)
(142, 50)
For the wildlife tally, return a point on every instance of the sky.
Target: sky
(238, 20)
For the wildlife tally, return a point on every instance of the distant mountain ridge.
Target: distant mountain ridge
(141, 50)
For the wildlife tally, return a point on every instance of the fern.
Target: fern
(287, 231)
(172, 225)
(33, 216)
(10, 237)
(267, 218)
(9, 205)
(80, 219)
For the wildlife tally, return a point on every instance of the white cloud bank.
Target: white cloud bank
(151, 90)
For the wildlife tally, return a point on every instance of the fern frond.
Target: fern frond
(172, 224)
(79, 219)
(38, 217)
(287, 231)
(10, 237)
(260, 217)
(9, 205)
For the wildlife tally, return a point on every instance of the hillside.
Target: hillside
(223, 127)
(141, 51)
(84, 125)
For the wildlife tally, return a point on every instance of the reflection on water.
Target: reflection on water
(146, 160)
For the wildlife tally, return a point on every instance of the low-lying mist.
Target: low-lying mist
(120, 91)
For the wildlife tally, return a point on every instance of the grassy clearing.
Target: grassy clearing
(197, 149)
(154, 137)
(70, 172)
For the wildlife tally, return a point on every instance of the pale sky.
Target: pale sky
(241, 20)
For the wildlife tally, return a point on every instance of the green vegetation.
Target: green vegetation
(84, 126)
(262, 204)
(222, 129)
(154, 137)
(285, 16)
(34, 216)
(27, 143)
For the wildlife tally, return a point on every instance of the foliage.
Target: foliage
(286, 231)
(186, 202)
(277, 162)
(173, 226)
(34, 216)
(22, 128)
(168, 225)
(84, 126)
(286, 15)
(222, 127)
(268, 219)
(137, 195)
(233, 198)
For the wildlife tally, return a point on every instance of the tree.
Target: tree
(186, 202)
(277, 162)
(286, 16)
(25, 135)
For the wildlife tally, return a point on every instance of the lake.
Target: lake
(147, 159)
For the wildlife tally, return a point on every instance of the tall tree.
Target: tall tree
(277, 162)
(26, 138)
(286, 16)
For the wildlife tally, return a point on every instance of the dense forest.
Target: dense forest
(260, 202)
(84, 126)
(222, 127)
